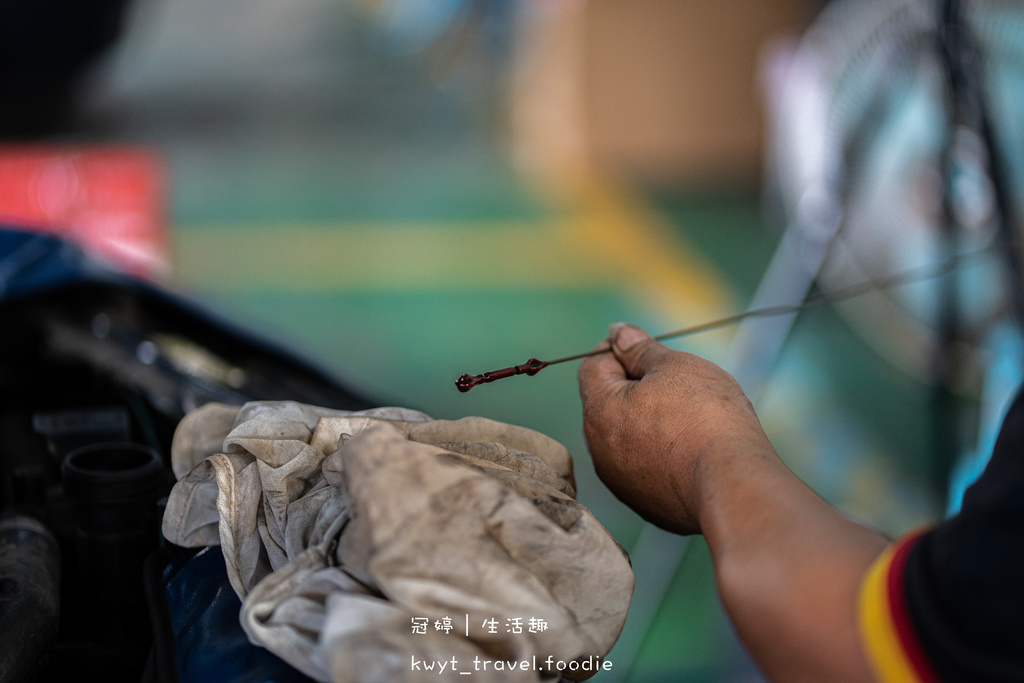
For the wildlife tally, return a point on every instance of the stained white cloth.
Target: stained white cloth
(354, 539)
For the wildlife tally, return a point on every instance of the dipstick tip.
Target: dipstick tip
(467, 382)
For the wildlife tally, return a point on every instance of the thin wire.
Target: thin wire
(911, 275)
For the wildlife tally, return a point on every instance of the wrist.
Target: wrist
(735, 487)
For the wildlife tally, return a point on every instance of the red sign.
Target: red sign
(107, 200)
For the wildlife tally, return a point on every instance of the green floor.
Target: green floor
(382, 231)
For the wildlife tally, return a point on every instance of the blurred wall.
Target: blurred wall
(664, 90)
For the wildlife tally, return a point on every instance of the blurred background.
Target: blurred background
(403, 191)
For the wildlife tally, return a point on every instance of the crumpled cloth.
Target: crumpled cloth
(342, 531)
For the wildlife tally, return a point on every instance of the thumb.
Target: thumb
(636, 350)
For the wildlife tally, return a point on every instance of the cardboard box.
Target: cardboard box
(667, 90)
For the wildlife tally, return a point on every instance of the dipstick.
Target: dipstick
(918, 274)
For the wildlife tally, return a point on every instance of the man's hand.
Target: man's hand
(650, 417)
(674, 438)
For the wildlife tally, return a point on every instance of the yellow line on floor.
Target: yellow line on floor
(605, 239)
(375, 257)
(634, 247)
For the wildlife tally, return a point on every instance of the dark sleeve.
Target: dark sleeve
(953, 596)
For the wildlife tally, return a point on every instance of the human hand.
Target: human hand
(657, 420)
(674, 437)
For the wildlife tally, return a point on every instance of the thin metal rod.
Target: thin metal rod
(911, 275)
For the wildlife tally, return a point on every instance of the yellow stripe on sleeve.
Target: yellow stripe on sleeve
(879, 637)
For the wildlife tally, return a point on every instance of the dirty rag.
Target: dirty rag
(366, 546)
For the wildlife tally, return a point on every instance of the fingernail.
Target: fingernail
(625, 336)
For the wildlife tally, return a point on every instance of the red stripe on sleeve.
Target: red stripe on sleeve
(901, 615)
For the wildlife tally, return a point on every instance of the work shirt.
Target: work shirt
(947, 604)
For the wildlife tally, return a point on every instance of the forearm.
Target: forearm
(788, 566)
